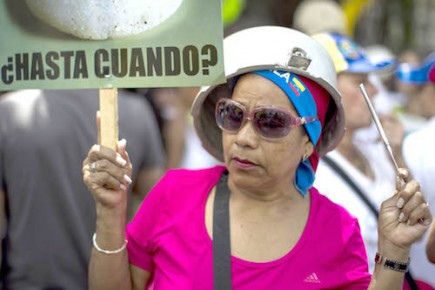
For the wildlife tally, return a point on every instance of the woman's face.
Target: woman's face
(254, 162)
(355, 108)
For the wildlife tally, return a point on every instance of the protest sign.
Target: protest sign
(63, 44)
(96, 44)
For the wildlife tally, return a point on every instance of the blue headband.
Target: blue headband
(299, 96)
(303, 101)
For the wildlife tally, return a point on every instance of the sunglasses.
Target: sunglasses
(268, 122)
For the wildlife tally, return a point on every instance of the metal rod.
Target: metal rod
(378, 125)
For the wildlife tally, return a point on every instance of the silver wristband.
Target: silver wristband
(107, 252)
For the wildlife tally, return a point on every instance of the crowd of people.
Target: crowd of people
(277, 178)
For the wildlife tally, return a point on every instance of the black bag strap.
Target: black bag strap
(221, 236)
(331, 163)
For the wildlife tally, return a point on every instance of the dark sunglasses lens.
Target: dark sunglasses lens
(272, 123)
(229, 116)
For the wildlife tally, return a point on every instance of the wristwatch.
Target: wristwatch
(392, 265)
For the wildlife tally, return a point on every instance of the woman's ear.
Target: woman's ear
(309, 149)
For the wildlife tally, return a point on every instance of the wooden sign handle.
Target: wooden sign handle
(109, 117)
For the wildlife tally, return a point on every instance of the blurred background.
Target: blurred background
(397, 24)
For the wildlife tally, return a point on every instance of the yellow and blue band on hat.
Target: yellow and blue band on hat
(347, 55)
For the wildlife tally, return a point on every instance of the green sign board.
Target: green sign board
(53, 44)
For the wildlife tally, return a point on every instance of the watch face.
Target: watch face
(378, 258)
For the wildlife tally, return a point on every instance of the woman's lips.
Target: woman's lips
(243, 163)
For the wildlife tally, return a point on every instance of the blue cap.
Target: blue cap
(414, 74)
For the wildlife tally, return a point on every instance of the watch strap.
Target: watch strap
(391, 264)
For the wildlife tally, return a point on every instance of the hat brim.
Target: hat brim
(365, 66)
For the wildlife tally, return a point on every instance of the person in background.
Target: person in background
(359, 173)
(419, 155)
(327, 16)
(49, 214)
(411, 80)
(182, 145)
(316, 16)
(387, 100)
(257, 222)
(409, 58)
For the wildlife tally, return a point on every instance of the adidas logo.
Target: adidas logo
(312, 278)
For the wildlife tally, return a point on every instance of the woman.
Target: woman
(368, 175)
(412, 79)
(361, 153)
(278, 112)
(419, 155)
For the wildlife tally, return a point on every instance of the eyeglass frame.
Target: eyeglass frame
(250, 115)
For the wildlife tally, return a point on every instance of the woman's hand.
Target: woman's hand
(106, 173)
(403, 218)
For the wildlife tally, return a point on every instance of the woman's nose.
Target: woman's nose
(247, 136)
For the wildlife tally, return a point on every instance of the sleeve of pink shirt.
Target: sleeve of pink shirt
(341, 245)
(354, 258)
(142, 231)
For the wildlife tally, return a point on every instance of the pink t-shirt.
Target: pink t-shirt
(168, 238)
